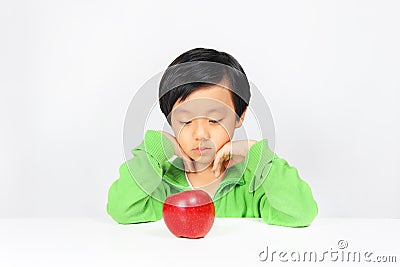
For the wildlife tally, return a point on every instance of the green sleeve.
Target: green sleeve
(286, 199)
(138, 194)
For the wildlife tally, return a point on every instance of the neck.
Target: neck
(205, 168)
(203, 175)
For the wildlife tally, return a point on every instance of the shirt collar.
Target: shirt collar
(176, 176)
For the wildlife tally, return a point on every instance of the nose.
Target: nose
(201, 130)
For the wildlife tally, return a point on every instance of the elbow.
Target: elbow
(147, 212)
(116, 214)
(307, 216)
(301, 218)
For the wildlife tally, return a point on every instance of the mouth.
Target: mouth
(200, 150)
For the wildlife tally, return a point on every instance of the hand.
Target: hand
(178, 151)
(231, 154)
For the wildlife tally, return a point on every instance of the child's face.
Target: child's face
(206, 118)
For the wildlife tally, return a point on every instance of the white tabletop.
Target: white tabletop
(231, 242)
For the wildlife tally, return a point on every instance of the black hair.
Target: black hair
(193, 70)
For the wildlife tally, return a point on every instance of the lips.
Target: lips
(200, 149)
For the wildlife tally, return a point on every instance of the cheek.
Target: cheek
(221, 138)
(177, 129)
(182, 136)
(227, 129)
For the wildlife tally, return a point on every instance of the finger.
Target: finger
(214, 168)
(218, 164)
(189, 163)
(215, 163)
(192, 168)
(222, 157)
(226, 163)
(189, 166)
(229, 163)
(218, 155)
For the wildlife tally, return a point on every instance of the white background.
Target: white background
(69, 69)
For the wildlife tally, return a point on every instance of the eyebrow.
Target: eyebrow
(209, 111)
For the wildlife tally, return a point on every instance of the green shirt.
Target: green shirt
(262, 186)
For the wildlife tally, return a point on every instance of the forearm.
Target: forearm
(288, 200)
(281, 197)
(137, 195)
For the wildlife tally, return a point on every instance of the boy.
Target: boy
(204, 95)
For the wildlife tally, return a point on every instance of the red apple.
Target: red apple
(189, 214)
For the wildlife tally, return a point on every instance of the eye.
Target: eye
(188, 122)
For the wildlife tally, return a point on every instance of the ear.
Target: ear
(239, 122)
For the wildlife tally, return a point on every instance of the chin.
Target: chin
(203, 159)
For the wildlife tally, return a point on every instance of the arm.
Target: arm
(136, 195)
(285, 199)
